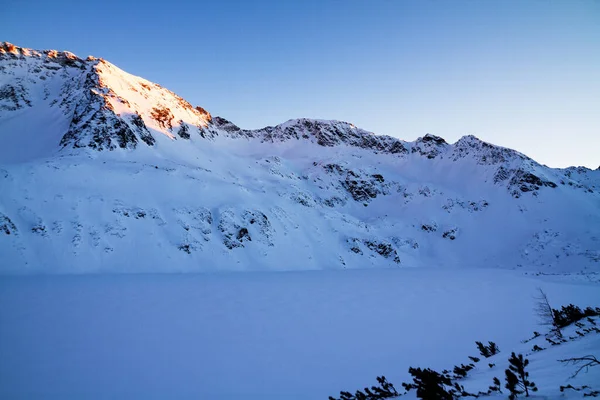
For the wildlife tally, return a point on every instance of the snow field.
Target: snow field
(261, 335)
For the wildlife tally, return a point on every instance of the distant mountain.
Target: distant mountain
(104, 171)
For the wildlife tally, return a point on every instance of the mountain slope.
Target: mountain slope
(104, 171)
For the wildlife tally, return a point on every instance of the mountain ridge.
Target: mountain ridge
(96, 163)
(102, 96)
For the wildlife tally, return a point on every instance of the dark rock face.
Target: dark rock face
(450, 234)
(361, 187)
(577, 176)
(521, 181)
(333, 201)
(39, 229)
(430, 146)
(184, 130)
(433, 139)
(197, 225)
(570, 171)
(429, 227)
(107, 133)
(383, 249)
(334, 169)
(328, 134)
(163, 116)
(529, 181)
(470, 206)
(7, 226)
(228, 229)
(407, 243)
(243, 235)
(124, 134)
(185, 248)
(142, 130)
(501, 175)
(303, 198)
(259, 227)
(378, 178)
(94, 123)
(203, 112)
(355, 245)
(356, 250)
(260, 219)
(13, 97)
(396, 147)
(132, 212)
(251, 226)
(227, 126)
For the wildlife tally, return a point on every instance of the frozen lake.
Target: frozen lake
(292, 335)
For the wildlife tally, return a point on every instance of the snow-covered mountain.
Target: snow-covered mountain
(101, 170)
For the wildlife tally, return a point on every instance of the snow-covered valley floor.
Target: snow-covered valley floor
(259, 335)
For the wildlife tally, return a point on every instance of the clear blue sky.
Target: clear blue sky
(518, 73)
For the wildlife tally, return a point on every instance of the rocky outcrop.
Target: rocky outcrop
(484, 153)
(238, 230)
(183, 131)
(9, 51)
(141, 129)
(429, 227)
(361, 186)
(7, 226)
(163, 116)
(227, 126)
(470, 206)
(521, 181)
(450, 234)
(94, 123)
(430, 146)
(381, 248)
(13, 97)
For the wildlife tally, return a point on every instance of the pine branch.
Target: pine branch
(584, 362)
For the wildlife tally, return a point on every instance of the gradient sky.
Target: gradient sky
(519, 73)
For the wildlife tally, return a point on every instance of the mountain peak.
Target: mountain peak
(9, 50)
(89, 103)
(484, 152)
(437, 140)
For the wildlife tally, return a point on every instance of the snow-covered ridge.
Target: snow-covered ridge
(108, 108)
(96, 164)
(10, 51)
